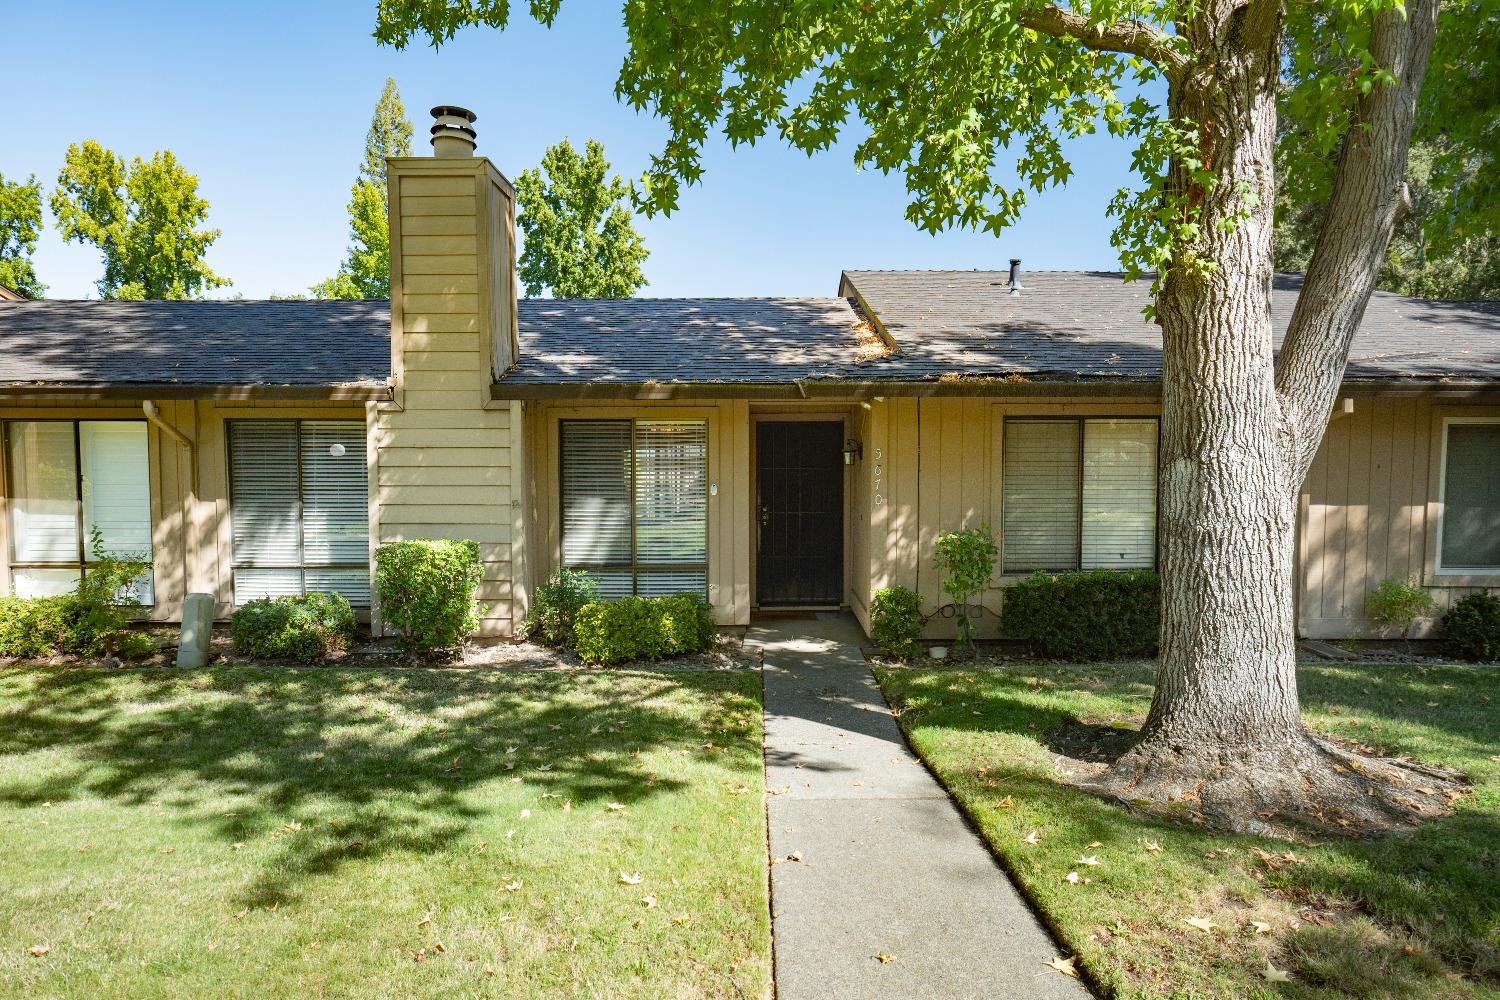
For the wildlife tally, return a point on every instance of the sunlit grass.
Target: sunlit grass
(1406, 916)
(357, 832)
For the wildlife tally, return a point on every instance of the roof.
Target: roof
(8, 294)
(1089, 325)
(1077, 326)
(210, 343)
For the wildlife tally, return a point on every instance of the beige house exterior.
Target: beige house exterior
(677, 432)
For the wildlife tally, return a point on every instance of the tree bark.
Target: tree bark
(1224, 735)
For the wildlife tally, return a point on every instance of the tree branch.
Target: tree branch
(1135, 38)
(1369, 196)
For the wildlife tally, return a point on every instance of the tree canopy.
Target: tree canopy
(366, 271)
(143, 216)
(578, 233)
(20, 226)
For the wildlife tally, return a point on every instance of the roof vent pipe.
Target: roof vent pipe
(1015, 278)
(453, 131)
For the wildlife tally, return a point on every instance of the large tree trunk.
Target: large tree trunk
(1225, 735)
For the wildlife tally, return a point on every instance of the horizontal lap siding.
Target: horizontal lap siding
(447, 457)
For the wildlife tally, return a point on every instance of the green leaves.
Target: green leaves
(144, 219)
(20, 227)
(578, 233)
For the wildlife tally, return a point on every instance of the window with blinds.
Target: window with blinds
(1470, 524)
(1078, 494)
(68, 481)
(635, 504)
(299, 508)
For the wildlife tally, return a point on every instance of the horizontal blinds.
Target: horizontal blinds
(335, 496)
(1471, 497)
(1119, 494)
(44, 479)
(263, 515)
(116, 485)
(596, 498)
(671, 493)
(1040, 495)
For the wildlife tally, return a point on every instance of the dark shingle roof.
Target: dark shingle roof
(208, 343)
(1089, 324)
(684, 340)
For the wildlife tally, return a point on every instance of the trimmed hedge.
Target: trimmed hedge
(426, 589)
(298, 629)
(555, 606)
(87, 622)
(1093, 615)
(36, 626)
(644, 628)
(1471, 628)
(896, 621)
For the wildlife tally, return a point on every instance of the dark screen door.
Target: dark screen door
(800, 512)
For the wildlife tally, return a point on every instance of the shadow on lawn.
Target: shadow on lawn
(1438, 885)
(356, 762)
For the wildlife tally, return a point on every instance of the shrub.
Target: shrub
(555, 605)
(896, 621)
(1398, 604)
(426, 589)
(300, 629)
(88, 622)
(1099, 614)
(1471, 628)
(131, 645)
(644, 628)
(36, 626)
(967, 559)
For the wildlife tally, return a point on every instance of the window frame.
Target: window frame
(301, 507)
(1080, 420)
(635, 567)
(1453, 576)
(84, 561)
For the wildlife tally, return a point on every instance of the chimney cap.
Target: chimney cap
(454, 111)
(453, 130)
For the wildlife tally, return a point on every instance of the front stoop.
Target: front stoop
(869, 854)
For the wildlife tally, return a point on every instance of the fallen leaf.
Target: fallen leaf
(1006, 803)
(1202, 923)
(1034, 837)
(615, 806)
(682, 918)
(1261, 927)
(438, 947)
(1275, 975)
(525, 813)
(650, 902)
(425, 921)
(1095, 844)
(1152, 845)
(1088, 859)
(1063, 965)
(511, 749)
(1072, 877)
(630, 879)
(544, 767)
(420, 956)
(884, 957)
(38, 950)
(568, 806)
(510, 887)
(794, 856)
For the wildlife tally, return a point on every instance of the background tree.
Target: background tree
(366, 272)
(941, 90)
(143, 217)
(578, 233)
(20, 226)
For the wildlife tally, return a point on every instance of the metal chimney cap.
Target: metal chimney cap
(453, 131)
(454, 111)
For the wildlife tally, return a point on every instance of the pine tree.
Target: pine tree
(366, 272)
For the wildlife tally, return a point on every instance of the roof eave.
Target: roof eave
(358, 392)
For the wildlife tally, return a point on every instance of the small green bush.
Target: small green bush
(131, 645)
(426, 590)
(967, 559)
(644, 628)
(298, 629)
(35, 626)
(1471, 628)
(555, 605)
(896, 621)
(1099, 614)
(1398, 604)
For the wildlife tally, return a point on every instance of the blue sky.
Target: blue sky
(268, 103)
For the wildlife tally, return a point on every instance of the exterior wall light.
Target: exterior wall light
(853, 451)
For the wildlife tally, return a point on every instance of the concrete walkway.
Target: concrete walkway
(887, 864)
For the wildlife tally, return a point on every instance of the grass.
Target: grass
(1415, 915)
(272, 832)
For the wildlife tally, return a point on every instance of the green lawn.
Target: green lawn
(281, 832)
(1409, 916)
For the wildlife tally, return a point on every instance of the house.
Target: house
(776, 452)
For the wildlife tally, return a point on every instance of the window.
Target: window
(69, 479)
(299, 508)
(1079, 494)
(1469, 529)
(635, 504)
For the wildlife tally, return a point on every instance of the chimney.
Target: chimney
(1015, 278)
(453, 131)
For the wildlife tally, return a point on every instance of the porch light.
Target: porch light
(853, 451)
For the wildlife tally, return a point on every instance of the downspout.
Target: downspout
(153, 415)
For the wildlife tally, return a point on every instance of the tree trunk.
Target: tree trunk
(1224, 736)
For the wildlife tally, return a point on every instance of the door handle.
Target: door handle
(765, 515)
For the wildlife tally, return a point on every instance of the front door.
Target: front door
(800, 513)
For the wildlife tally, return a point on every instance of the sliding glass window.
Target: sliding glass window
(76, 489)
